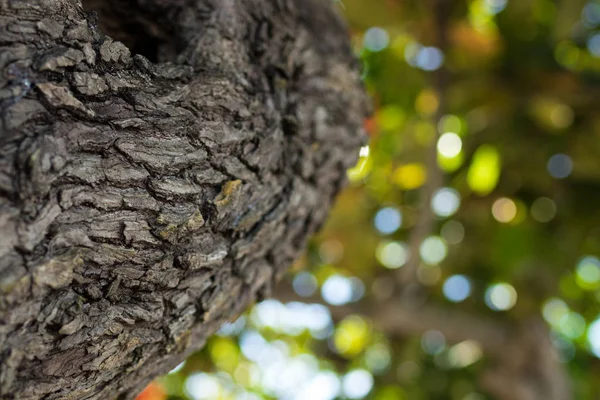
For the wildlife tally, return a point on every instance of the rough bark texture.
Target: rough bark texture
(144, 200)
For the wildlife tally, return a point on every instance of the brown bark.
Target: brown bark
(145, 202)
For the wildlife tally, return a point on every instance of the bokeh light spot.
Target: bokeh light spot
(388, 220)
(588, 273)
(567, 54)
(593, 45)
(449, 145)
(269, 313)
(376, 39)
(450, 164)
(378, 358)
(252, 344)
(593, 337)
(411, 51)
(392, 254)
(427, 102)
(453, 232)
(572, 325)
(429, 58)
(358, 289)
(591, 14)
(560, 166)
(543, 209)
(225, 353)
(445, 202)
(457, 288)
(324, 385)
(464, 354)
(433, 250)
(357, 384)
(504, 210)
(202, 386)
(331, 251)
(484, 171)
(305, 284)
(553, 310)
(495, 6)
(501, 297)
(351, 336)
(561, 116)
(433, 342)
(337, 290)
(450, 123)
(232, 328)
(410, 176)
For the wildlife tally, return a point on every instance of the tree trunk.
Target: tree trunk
(145, 199)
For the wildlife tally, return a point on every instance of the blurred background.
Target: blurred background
(462, 261)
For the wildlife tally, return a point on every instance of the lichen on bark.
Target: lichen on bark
(147, 198)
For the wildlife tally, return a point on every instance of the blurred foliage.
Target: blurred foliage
(516, 215)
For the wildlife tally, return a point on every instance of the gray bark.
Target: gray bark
(146, 199)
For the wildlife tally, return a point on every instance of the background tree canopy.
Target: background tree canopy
(463, 260)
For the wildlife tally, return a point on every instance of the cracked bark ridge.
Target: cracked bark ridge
(146, 199)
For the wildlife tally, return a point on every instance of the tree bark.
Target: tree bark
(146, 199)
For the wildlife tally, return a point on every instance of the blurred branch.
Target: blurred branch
(397, 318)
(526, 365)
(426, 218)
(455, 325)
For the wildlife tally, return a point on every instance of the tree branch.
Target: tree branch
(435, 178)
(396, 317)
(142, 204)
(525, 361)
